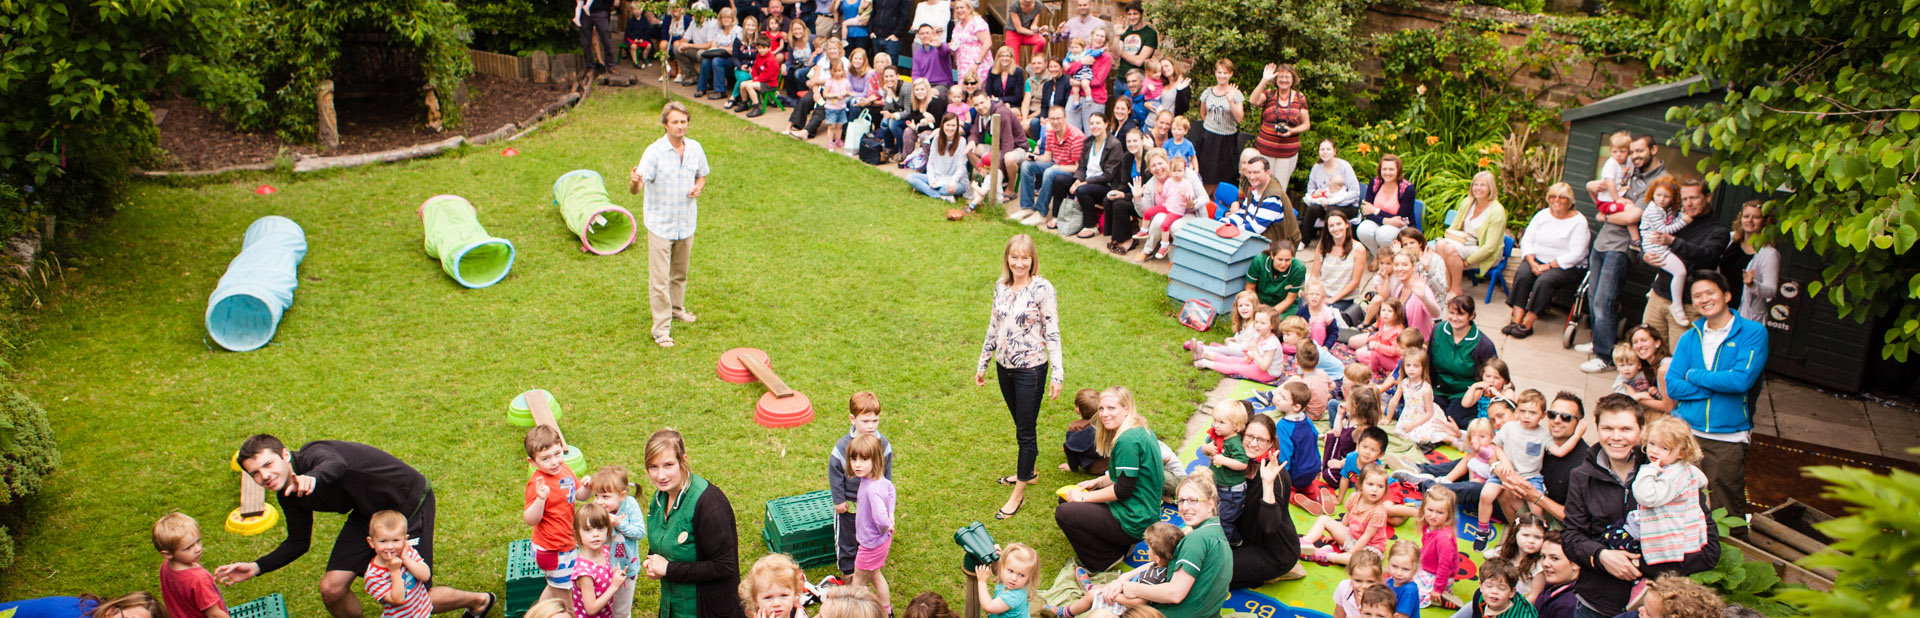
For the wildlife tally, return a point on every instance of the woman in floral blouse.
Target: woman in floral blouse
(1023, 340)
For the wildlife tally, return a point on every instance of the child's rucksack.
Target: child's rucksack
(871, 151)
(1197, 314)
(917, 159)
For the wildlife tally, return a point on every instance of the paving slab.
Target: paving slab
(1852, 437)
(1791, 399)
(1896, 428)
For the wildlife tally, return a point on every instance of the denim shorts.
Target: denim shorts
(836, 116)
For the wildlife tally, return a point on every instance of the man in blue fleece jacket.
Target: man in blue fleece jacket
(1714, 375)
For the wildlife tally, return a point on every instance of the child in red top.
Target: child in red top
(397, 577)
(549, 500)
(185, 587)
(764, 73)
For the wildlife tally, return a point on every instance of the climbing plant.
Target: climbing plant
(1316, 37)
(1822, 101)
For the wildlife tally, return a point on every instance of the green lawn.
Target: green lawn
(850, 282)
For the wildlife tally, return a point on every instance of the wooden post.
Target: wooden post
(329, 125)
(542, 71)
(973, 597)
(997, 162)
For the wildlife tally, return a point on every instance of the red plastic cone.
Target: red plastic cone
(265, 190)
(509, 152)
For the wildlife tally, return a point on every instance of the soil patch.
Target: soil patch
(196, 139)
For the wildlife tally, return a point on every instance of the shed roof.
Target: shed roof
(1637, 97)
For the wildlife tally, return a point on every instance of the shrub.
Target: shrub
(27, 448)
(516, 26)
(1315, 37)
(1876, 546)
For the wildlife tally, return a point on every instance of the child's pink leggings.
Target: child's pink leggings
(1381, 364)
(1157, 210)
(1240, 367)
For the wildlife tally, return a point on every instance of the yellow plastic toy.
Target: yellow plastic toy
(254, 515)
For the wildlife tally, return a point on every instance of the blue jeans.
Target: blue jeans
(924, 184)
(1609, 270)
(891, 131)
(1231, 501)
(891, 47)
(1037, 185)
(714, 73)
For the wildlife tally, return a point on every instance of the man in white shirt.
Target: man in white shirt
(674, 170)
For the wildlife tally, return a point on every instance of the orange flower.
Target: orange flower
(1485, 162)
(1433, 139)
(1499, 149)
(1483, 150)
(1364, 148)
(1393, 137)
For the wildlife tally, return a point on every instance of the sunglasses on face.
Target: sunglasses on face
(1563, 417)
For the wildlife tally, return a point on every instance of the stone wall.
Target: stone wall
(1582, 83)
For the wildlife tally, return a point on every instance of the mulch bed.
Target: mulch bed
(196, 139)
(1774, 465)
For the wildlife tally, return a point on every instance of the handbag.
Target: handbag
(857, 129)
(1197, 314)
(917, 160)
(715, 53)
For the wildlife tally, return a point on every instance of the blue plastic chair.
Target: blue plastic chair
(1223, 194)
(1495, 276)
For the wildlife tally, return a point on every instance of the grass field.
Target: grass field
(849, 281)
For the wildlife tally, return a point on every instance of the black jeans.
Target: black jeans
(1095, 534)
(806, 115)
(1092, 197)
(1022, 388)
(1534, 292)
(1315, 219)
(1121, 222)
(599, 27)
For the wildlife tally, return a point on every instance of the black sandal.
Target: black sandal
(484, 609)
(1003, 513)
(1007, 480)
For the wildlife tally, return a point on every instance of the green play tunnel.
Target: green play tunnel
(603, 228)
(465, 251)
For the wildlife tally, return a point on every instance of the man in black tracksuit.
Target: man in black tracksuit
(1598, 502)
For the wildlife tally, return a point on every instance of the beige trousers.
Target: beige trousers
(667, 262)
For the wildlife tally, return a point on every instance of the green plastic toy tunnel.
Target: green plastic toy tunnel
(603, 228)
(465, 251)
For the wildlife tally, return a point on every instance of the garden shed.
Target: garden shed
(1811, 342)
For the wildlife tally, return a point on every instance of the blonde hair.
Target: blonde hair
(115, 607)
(1623, 355)
(1416, 357)
(1181, 122)
(1023, 553)
(1438, 494)
(1292, 325)
(172, 530)
(1676, 436)
(1019, 242)
(550, 608)
(1234, 412)
(387, 521)
(1480, 425)
(1682, 597)
(668, 442)
(1620, 139)
(1404, 547)
(610, 480)
(1202, 481)
(671, 107)
(1358, 373)
(1103, 438)
(1365, 560)
(769, 571)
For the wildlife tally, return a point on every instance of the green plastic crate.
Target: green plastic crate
(270, 606)
(802, 527)
(524, 580)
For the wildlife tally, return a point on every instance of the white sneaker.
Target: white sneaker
(1033, 218)
(1584, 348)
(1594, 365)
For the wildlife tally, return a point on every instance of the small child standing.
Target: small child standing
(863, 412)
(628, 527)
(833, 99)
(1661, 215)
(1403, 561)
(1439, 549)
(1082, 452)
(1018, 570)
(1632, 376)
(1522, 444)
(186, 588)
(772, 588)
(595, 580)
(1294, 435)
(549, 509)
(397, 575)
(1669, 520)
(1363, 572)
(1228, 460)
(1177, 146)
(873, 523)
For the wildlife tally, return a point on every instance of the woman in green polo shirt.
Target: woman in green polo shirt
(1277, 277)
(693, 550)
(1455, 353)
(1103, 519)
(1196, 585)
